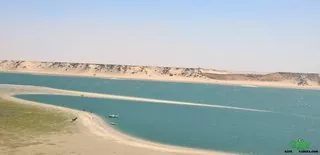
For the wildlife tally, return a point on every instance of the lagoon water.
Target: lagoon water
(294, 113)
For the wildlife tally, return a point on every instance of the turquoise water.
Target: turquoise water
(295, 113)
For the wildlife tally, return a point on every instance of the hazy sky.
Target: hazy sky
(245, 35)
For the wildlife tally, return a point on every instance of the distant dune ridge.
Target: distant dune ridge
(103, 68)
(298, 78)
(151, 72)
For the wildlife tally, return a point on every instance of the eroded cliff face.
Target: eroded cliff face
(298, 78)
(99, 68)
(148, 71)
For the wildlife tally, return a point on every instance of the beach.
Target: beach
(154, 77)
(94, 135)
(162, 73)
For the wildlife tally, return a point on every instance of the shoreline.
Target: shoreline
(54, 91)
(250, 84)
(96, 125)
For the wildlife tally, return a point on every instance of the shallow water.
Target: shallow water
(295, 113)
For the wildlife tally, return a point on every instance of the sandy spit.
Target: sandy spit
(46, 90)
(97, 136)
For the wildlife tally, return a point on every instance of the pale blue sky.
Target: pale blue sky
(246, 35)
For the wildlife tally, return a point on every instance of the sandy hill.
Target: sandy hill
(10, 65)
(300, 79)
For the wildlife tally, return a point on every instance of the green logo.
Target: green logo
(300, 144)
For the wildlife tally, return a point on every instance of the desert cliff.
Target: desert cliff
(298, 79)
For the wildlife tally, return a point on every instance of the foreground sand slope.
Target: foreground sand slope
(93, 137)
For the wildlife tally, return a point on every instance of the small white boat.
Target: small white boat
(114, 116)
(113, 123)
